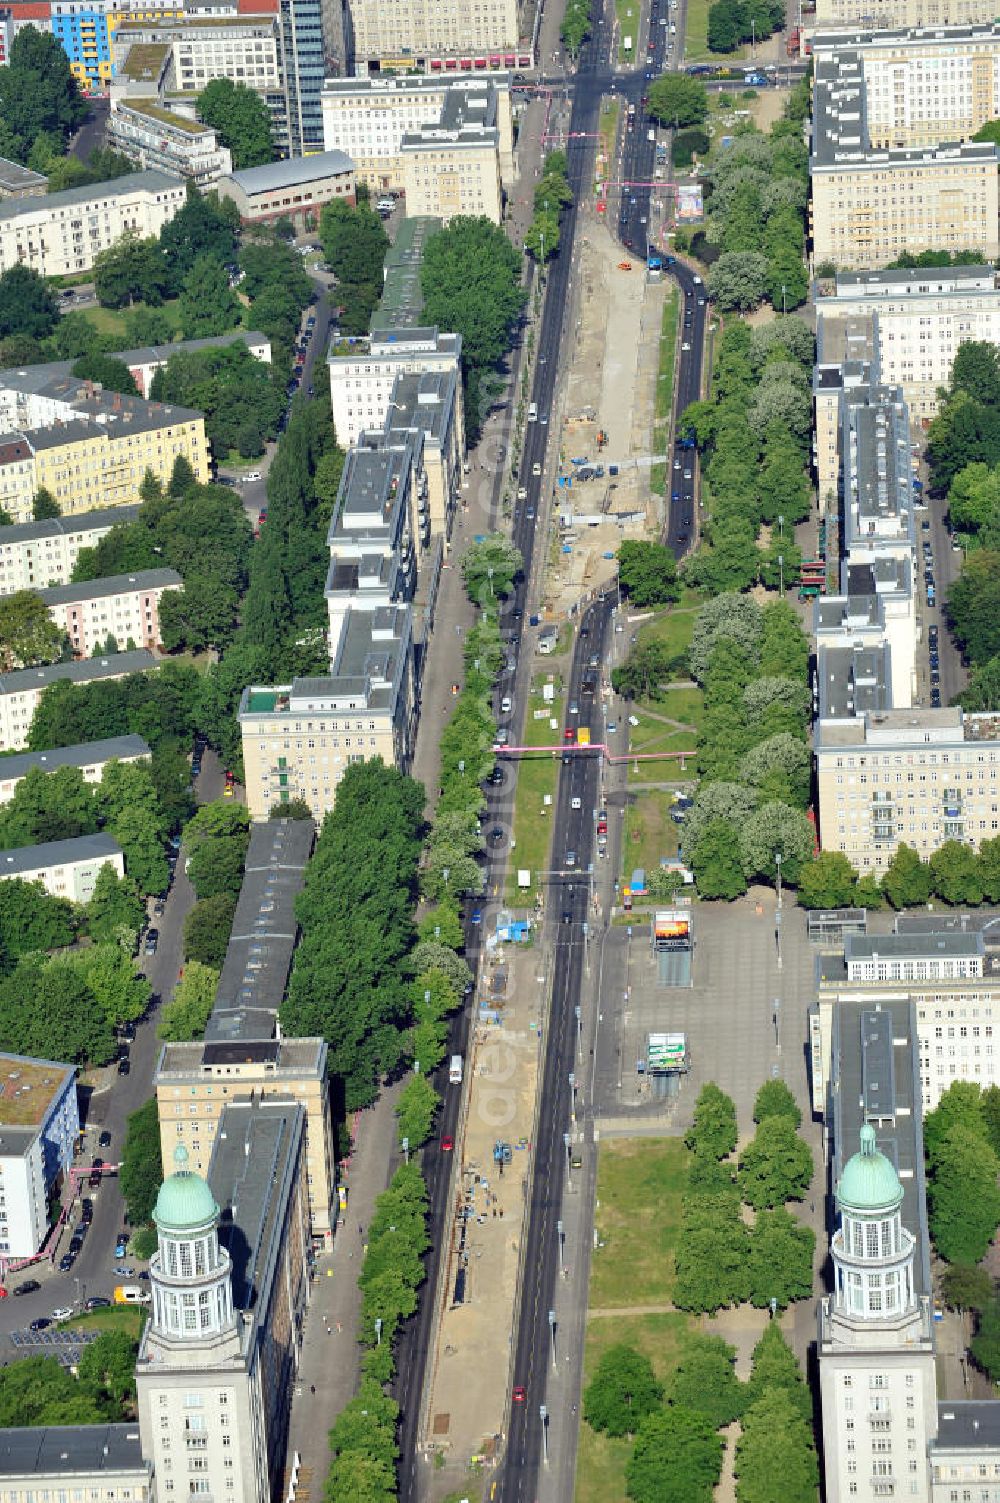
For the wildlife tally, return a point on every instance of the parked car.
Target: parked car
(62, 1312)
(41, 1324)
(104, 1141)
(97, 1302)
(66, 1262)
(29, 1286)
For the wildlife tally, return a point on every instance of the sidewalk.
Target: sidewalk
(330, 1362)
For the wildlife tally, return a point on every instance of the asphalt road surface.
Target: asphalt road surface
(91, 132)
(107, 1108)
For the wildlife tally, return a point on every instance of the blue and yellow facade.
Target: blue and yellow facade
(85, 29)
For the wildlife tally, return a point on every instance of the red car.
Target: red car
(519, 1394)
(569, 734)
(447, 1143)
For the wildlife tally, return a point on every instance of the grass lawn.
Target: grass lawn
(675, 625)
(696, 48)
(536, 778)
(129, 1318)
(608, 131)
(628, 13)
(640, 1183)
(649, 831)
(664, 392)
(113, 320)
(601, 1461)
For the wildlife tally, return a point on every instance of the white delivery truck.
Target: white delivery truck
(455, 1070)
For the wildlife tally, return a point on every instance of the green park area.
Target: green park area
(114, 322)
(628, 14)
(664, 391)
(127, 1318)
(537, 779)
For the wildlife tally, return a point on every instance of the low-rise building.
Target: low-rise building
(39, 1124)
(143, 363)
(299, 738)
(154, 137)
(125, 607)
(102, 1463)
(21, 691)
(38, 554)
(244, 1053)
(63, 233)
(295, 189)
(452, 165)
(871, 201)
(230, 1289)
(369, 118)
(919, 319)
(20, 182)
(65, 868)
(915, 775)
(91, 758)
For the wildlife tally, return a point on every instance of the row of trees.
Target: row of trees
(733, 22)
(962, 1149)
(754, 440)
(954, 873)
(552, 195)
(363, 1438)
(470, 278)
(354, 243)
(721, 1260)
(67, 1006)
(753, 752)
(677, 1456)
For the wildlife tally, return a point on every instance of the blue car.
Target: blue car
(121, 1247)
(477, 915)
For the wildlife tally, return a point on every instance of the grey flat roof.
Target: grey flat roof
(15, 178)
(114, 665)
(294, 170)
(985, 921)
(875, 1076)
(52, 527)
(932, 278)
(70, 1450)
(262, 942)
(25, 859)
(853, 679)
(152, 181)
(112, 584)
(86, 754)
(967, 1424)
(250, 1175)
(917, 946)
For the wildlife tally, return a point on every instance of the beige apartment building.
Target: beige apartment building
(299, 738)
(62, 234)
(415, 33)
(872, 200)
(922, 776)
(453, 168)
(37, 554)
(369, 117)
(123, 606)
(90, 758)
(839, 15)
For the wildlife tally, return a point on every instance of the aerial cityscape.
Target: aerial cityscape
(499, 751)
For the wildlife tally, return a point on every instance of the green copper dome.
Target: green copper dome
(869, 1181)
(185, 1202)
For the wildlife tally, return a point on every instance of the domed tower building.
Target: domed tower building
(876, 1349)
(229, 1290)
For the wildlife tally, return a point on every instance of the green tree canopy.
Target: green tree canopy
(132, 270)
(776, 1166)
(713, 1133)
(963, 1197)
(622, 1392)
(647, 572)
(775, 1368)
(207, 929)
(774, 1099)
(142, 1167)
(189, 1009)
(208, 304)
(242, 121)
(705, 1381)
(39, 96)
(775, 1454)
(28, 306)
(677, 1459)
(28, 635)
(207, 225)
(675, 99)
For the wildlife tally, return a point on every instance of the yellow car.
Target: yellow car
(228, 791)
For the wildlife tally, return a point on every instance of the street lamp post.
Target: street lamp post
(572, 1087)
(543, 1415)
(783, 309)
(777, 911)
(561, 1238)
(579, 1032)
(775, 1015)
(569, 1160)
(552, 1334)
(781, 576)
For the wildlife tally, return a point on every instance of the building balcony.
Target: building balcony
(880, 1423)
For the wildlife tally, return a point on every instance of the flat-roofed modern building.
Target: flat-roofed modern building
(369, 117)
(65, 868)
(295, 189)
(872, 200)
(922, 776)
(244, 1052)
(20, 182)
(154, 137)
(866, 642)
(20, 691)
(63, 233)
(39, 1124)
(125, 607)
(452, 166)
(102, 1463)
(363, 373)
(430, 403)
(919, 320)
(230, 1289)
(91, 758)
(36, 555)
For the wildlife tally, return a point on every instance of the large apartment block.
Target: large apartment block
(915, 775)
(21, 691)
(62, 234)
(453, 166)
(39, 1125)
(369, 118)
(125, 607)
(85, 30)
(436, 35)
(89, 448)
(65, 868)
(154, 137)
(886, 15)
(918, 321)
(34, 555)
(873, 199)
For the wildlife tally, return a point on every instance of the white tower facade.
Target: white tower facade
(876, 1350)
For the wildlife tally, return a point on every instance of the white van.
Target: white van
(131, 1294)
(532, 412)
(455, 1070)
(385, 205)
